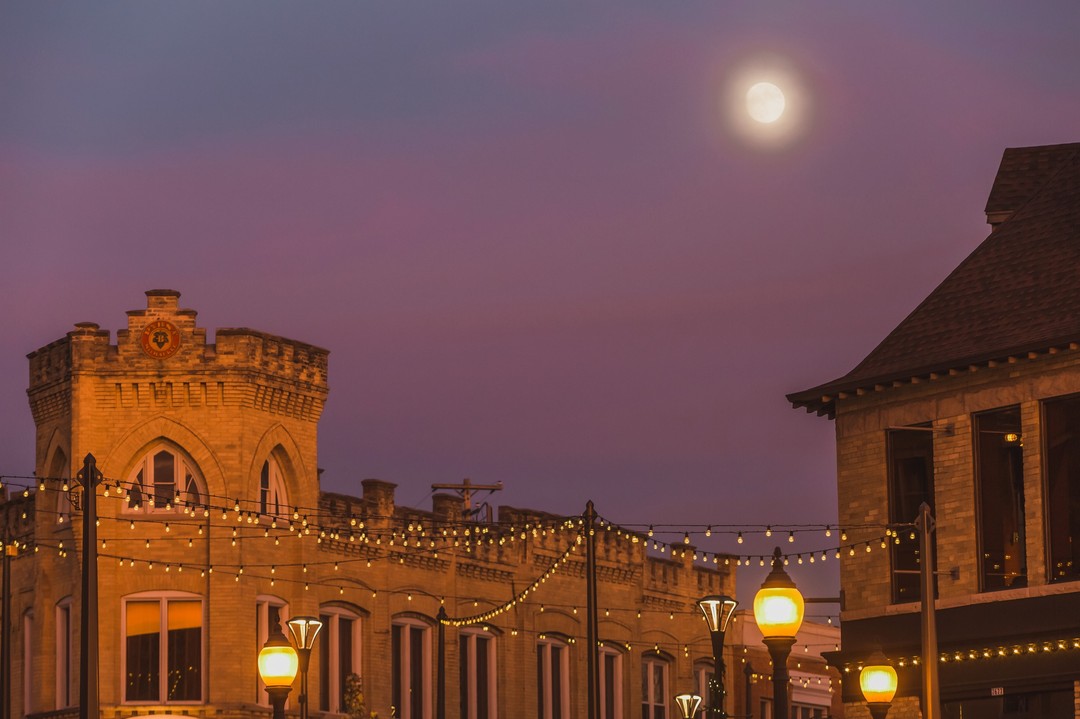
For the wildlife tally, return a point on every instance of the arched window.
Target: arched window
(339, 655)
(273, 501)
(64, 673)
(552, 678)
(162, 654)
(59, 469)
(164, 480)
(411, 656)
(611, 683)
(476, 657)
(654, 687)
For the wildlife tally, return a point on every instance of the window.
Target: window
(703, 675)
(28, 661)
(654, 692)
(1061, 421)
(271, 614)
(163, 480)
(162, 648)
(64, 673)
(552, 679)
(911, 482)
(999, 467)
(412, 669)
(273, 501)
(339, 655)
(611, 684)
(477, 659)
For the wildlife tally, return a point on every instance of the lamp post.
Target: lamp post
(688, 705)
(878, 683)
(304, 630)
(778, 611)
(718, 610)
(277, 667)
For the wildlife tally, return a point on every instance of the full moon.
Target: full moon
(765, 102)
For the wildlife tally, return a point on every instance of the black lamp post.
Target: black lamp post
(778, 611)
(277, 668)
(304, 630)
(718, 610)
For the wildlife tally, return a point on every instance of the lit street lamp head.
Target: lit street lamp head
(304, 630)
(878, 682)
(278, 663)
(688, 705)
(718, 610)
(778, 605)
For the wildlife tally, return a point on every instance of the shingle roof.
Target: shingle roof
(1018, 292)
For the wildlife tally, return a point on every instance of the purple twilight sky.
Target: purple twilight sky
(533, 235)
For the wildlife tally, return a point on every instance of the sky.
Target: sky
(538, 238)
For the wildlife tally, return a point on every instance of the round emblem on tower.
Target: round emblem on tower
(160, 339)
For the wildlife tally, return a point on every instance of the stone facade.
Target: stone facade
(197, 443)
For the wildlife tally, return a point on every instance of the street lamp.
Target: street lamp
(304, 630)
(688, 705)
(718, 610)
(277, 668)
(878, 683)
(778, 611)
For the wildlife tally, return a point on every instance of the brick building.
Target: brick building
(213, 528)
(972, 404)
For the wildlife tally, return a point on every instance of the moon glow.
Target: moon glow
(765, 102)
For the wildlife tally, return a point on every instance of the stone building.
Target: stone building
(972, 405)
(213, 528)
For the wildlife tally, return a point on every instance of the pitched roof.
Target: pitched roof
(1018, 292)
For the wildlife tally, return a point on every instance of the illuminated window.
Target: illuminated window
(271, 614)
(553, 679)
(339, 655)
(273, 501)
(611, 683)
(478, 686)
(911, 482)
(411, 657)
(999, 467)
(64, 674)
(1061, 419)
(654, 683)
(163, 648)
(163, 480)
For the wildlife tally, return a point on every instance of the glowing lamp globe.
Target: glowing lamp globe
(878, 680)
(278, 662)
(778, 605)
(688, 704)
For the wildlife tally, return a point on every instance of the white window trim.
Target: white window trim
(702, 670)
(618, 698)
(64, 641)
(564, 698)
(406, 649)
(183, 466)
(263, 602)
(331, 633)
(649, 665)
(162, 597)
(276, 485)
(472, 636)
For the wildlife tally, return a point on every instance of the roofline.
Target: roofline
(822, 399)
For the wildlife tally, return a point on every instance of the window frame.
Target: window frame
(1048, 503)
(650, 663)
(330, 639)
(703, 669)
(183, 467)
(401, 664)
(469, 668)
(274, 485)
(903, 541)
(64, 677)
(163, 598)
(545, 646)
(616, 700)
(1019, 580)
